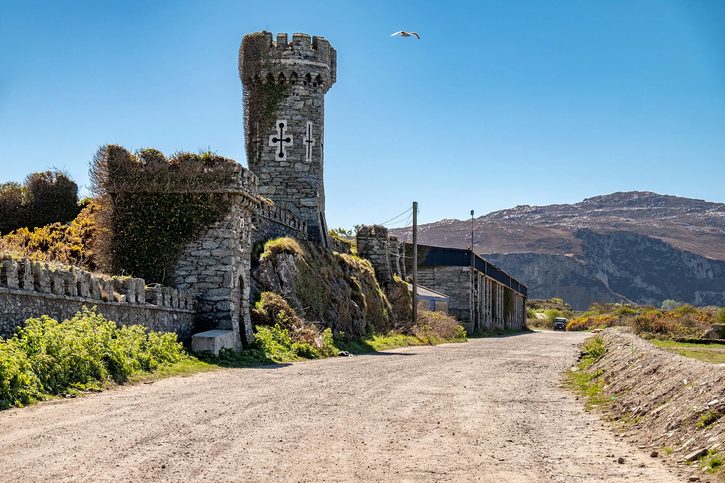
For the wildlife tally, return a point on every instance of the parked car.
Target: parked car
(560, 323)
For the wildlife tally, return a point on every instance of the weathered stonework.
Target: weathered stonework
(271, 221)
(394, 255)
(373, 243)
(215, 267)
(62, 292)
(285, 82)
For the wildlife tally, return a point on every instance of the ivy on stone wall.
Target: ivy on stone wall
(262, 96)
(144, 226)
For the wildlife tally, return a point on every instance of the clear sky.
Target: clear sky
(501, 103)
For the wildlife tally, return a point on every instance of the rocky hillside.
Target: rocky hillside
(637, 246)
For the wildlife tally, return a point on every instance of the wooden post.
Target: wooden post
(415, 262)
(472, 304)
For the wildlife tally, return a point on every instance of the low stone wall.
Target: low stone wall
(31, 289)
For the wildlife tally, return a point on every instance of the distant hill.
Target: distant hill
(637, 246)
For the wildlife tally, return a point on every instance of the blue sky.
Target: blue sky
(501, 103)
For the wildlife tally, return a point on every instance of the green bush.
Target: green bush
(720, 316)
(48, 357)
(44, 198)
(12, 209)
(52, 197)
(277, 344)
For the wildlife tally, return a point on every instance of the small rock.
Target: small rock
(693, 478)
(620, 460)
(695, 455)
(654, 454)
(344, 354)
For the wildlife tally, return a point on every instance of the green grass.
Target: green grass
(712, 462)
(481, 334)
(585, 382)
(392, 341)
(708, 419)
(701, 352)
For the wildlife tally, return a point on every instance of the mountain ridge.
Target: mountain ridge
(674, 238)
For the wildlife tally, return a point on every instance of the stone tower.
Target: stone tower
(285, 82)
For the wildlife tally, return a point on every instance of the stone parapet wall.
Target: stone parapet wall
(271, 221)
(373, 244)
(31, 289)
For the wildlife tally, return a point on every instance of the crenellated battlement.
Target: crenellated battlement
(45, 279)
(304, 60)
(31, 288)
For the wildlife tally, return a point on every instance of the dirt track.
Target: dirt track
(489, 410)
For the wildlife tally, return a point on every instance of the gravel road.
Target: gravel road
(488, 410)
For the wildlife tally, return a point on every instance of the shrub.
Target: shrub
(85, 352)
(277, 322)
(12, 215)
(720, 316)
(69, 244)
(601, 321)
(438, 326)
(45, 198)
(670, 304)
(278, 344)
(667, 324)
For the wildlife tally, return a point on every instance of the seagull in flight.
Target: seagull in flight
(403, 33)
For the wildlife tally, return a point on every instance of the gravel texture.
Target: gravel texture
(488, 410)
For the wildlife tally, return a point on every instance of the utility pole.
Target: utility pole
(415, 262)
(473, 289)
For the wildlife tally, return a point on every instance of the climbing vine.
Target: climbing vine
(151, 207)
(262, 96)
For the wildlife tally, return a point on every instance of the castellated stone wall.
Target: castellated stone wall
(285, 81)
(215, 267)
(373, 244)
(30, 289)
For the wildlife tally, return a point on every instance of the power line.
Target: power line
(396, 217)
(401, 223)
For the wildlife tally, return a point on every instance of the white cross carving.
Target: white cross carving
(308, 142)
(280, 140)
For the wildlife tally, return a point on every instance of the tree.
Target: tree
(12, 209)
(52, 197)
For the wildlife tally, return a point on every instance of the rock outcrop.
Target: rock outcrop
(636, 246)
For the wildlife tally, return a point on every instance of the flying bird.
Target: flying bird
(403, 33)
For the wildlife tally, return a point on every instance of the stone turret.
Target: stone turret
(285, 81)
